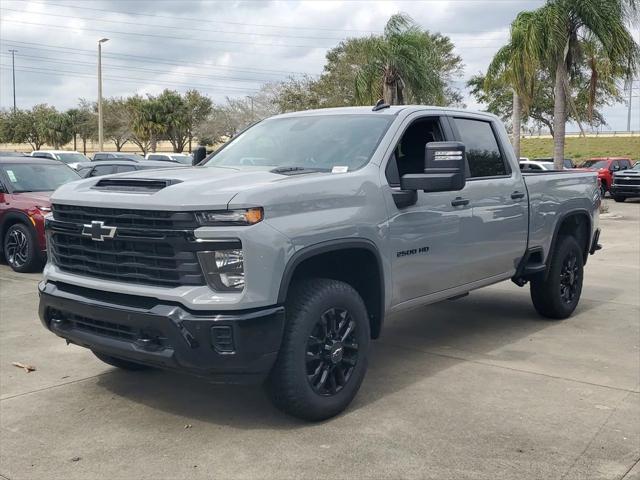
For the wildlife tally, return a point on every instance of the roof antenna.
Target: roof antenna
(380, 105)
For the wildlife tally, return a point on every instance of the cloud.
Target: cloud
(223, 48)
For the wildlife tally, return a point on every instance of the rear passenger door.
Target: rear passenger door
(498, 199)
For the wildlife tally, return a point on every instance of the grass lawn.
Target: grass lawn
(582, 148)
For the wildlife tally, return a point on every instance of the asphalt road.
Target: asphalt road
(478, 388)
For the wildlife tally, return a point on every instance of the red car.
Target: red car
(605, 166)
(26, 183)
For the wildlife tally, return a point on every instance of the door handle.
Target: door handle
(459, 201)
(517, 195)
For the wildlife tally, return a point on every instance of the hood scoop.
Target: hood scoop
(134, 185)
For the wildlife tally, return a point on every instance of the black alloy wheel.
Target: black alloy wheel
(16, 248)
(569, 278)
(332, 352)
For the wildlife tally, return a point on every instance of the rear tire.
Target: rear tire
(557, 295)
(619, 199)
(119, 362)
(323, 357)
(21, 250)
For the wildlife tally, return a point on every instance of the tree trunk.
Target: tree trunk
(559, 114)
(84, 146)
(390, 93)
(516, 121)
(74, 142)
(153, 143)
(190, 138)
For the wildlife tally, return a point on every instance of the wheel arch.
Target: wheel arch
(332, 259)
(11, 218)
(577, 223)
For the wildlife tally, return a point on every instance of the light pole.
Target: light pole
(13, 68)
(100, 132)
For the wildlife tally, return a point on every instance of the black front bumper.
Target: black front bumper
(625, 190)
(229, 347)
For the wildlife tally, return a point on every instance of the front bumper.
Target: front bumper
(625, 190)
(226, 347)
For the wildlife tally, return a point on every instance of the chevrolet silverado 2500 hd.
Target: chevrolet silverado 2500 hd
(280, 256)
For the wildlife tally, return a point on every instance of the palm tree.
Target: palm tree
(516, 65)
(397, 64)
(563, 25)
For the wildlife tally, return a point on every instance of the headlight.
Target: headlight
(44, 209)
(223, 269)
(248, 216)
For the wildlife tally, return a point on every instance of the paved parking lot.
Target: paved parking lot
(478, 388)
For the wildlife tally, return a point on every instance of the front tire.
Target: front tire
(323, 357)
(119, 362)
(619, 199)
(557, 296)
(21, 250)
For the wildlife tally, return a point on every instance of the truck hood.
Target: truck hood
(628, 173)
(192, 188)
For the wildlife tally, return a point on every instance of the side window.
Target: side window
(483, 153)
(614, 166)
(102, 170)
(125, 168)
(408, 156)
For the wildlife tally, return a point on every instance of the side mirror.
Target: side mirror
(199, 154)
(615, 168)
(445, 169)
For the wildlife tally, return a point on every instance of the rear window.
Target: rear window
(483, 153)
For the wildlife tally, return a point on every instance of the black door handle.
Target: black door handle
(517, 195)
(459, 201)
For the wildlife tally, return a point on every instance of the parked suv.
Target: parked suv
(107, 167)
(605, 168)
(26, 184)
(117, 156)
(71, 158)
(280, 257)
(626, 184)
(171, 157)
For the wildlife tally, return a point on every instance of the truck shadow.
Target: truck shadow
(413, 346)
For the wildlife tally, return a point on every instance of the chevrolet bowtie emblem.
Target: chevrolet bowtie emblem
(97, 231)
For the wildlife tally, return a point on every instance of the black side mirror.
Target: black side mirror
(199, 154)
(445, 169)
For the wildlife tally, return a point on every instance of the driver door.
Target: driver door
(426, 238)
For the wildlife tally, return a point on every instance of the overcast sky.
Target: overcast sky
(222, 48)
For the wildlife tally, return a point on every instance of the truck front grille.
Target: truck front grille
(140, 251)
(627, 181)
(121, 217)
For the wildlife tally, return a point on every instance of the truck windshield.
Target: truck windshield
(595, 164)
(314, 142)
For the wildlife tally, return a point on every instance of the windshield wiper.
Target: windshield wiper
(294, 170)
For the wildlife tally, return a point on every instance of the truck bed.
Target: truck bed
(554, 194)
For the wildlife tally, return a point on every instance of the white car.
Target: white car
(183, 158)
(535, 166)
(71, 158)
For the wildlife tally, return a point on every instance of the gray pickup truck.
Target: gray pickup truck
(279, 257)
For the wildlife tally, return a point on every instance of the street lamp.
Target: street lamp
(100, 132)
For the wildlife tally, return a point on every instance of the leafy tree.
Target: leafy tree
(198, 109)
(146, 121)
(516, 65)
(86, 123)
(30, 126)
(116, 121)
(405, 64)
(58, 130)
(561, 27)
